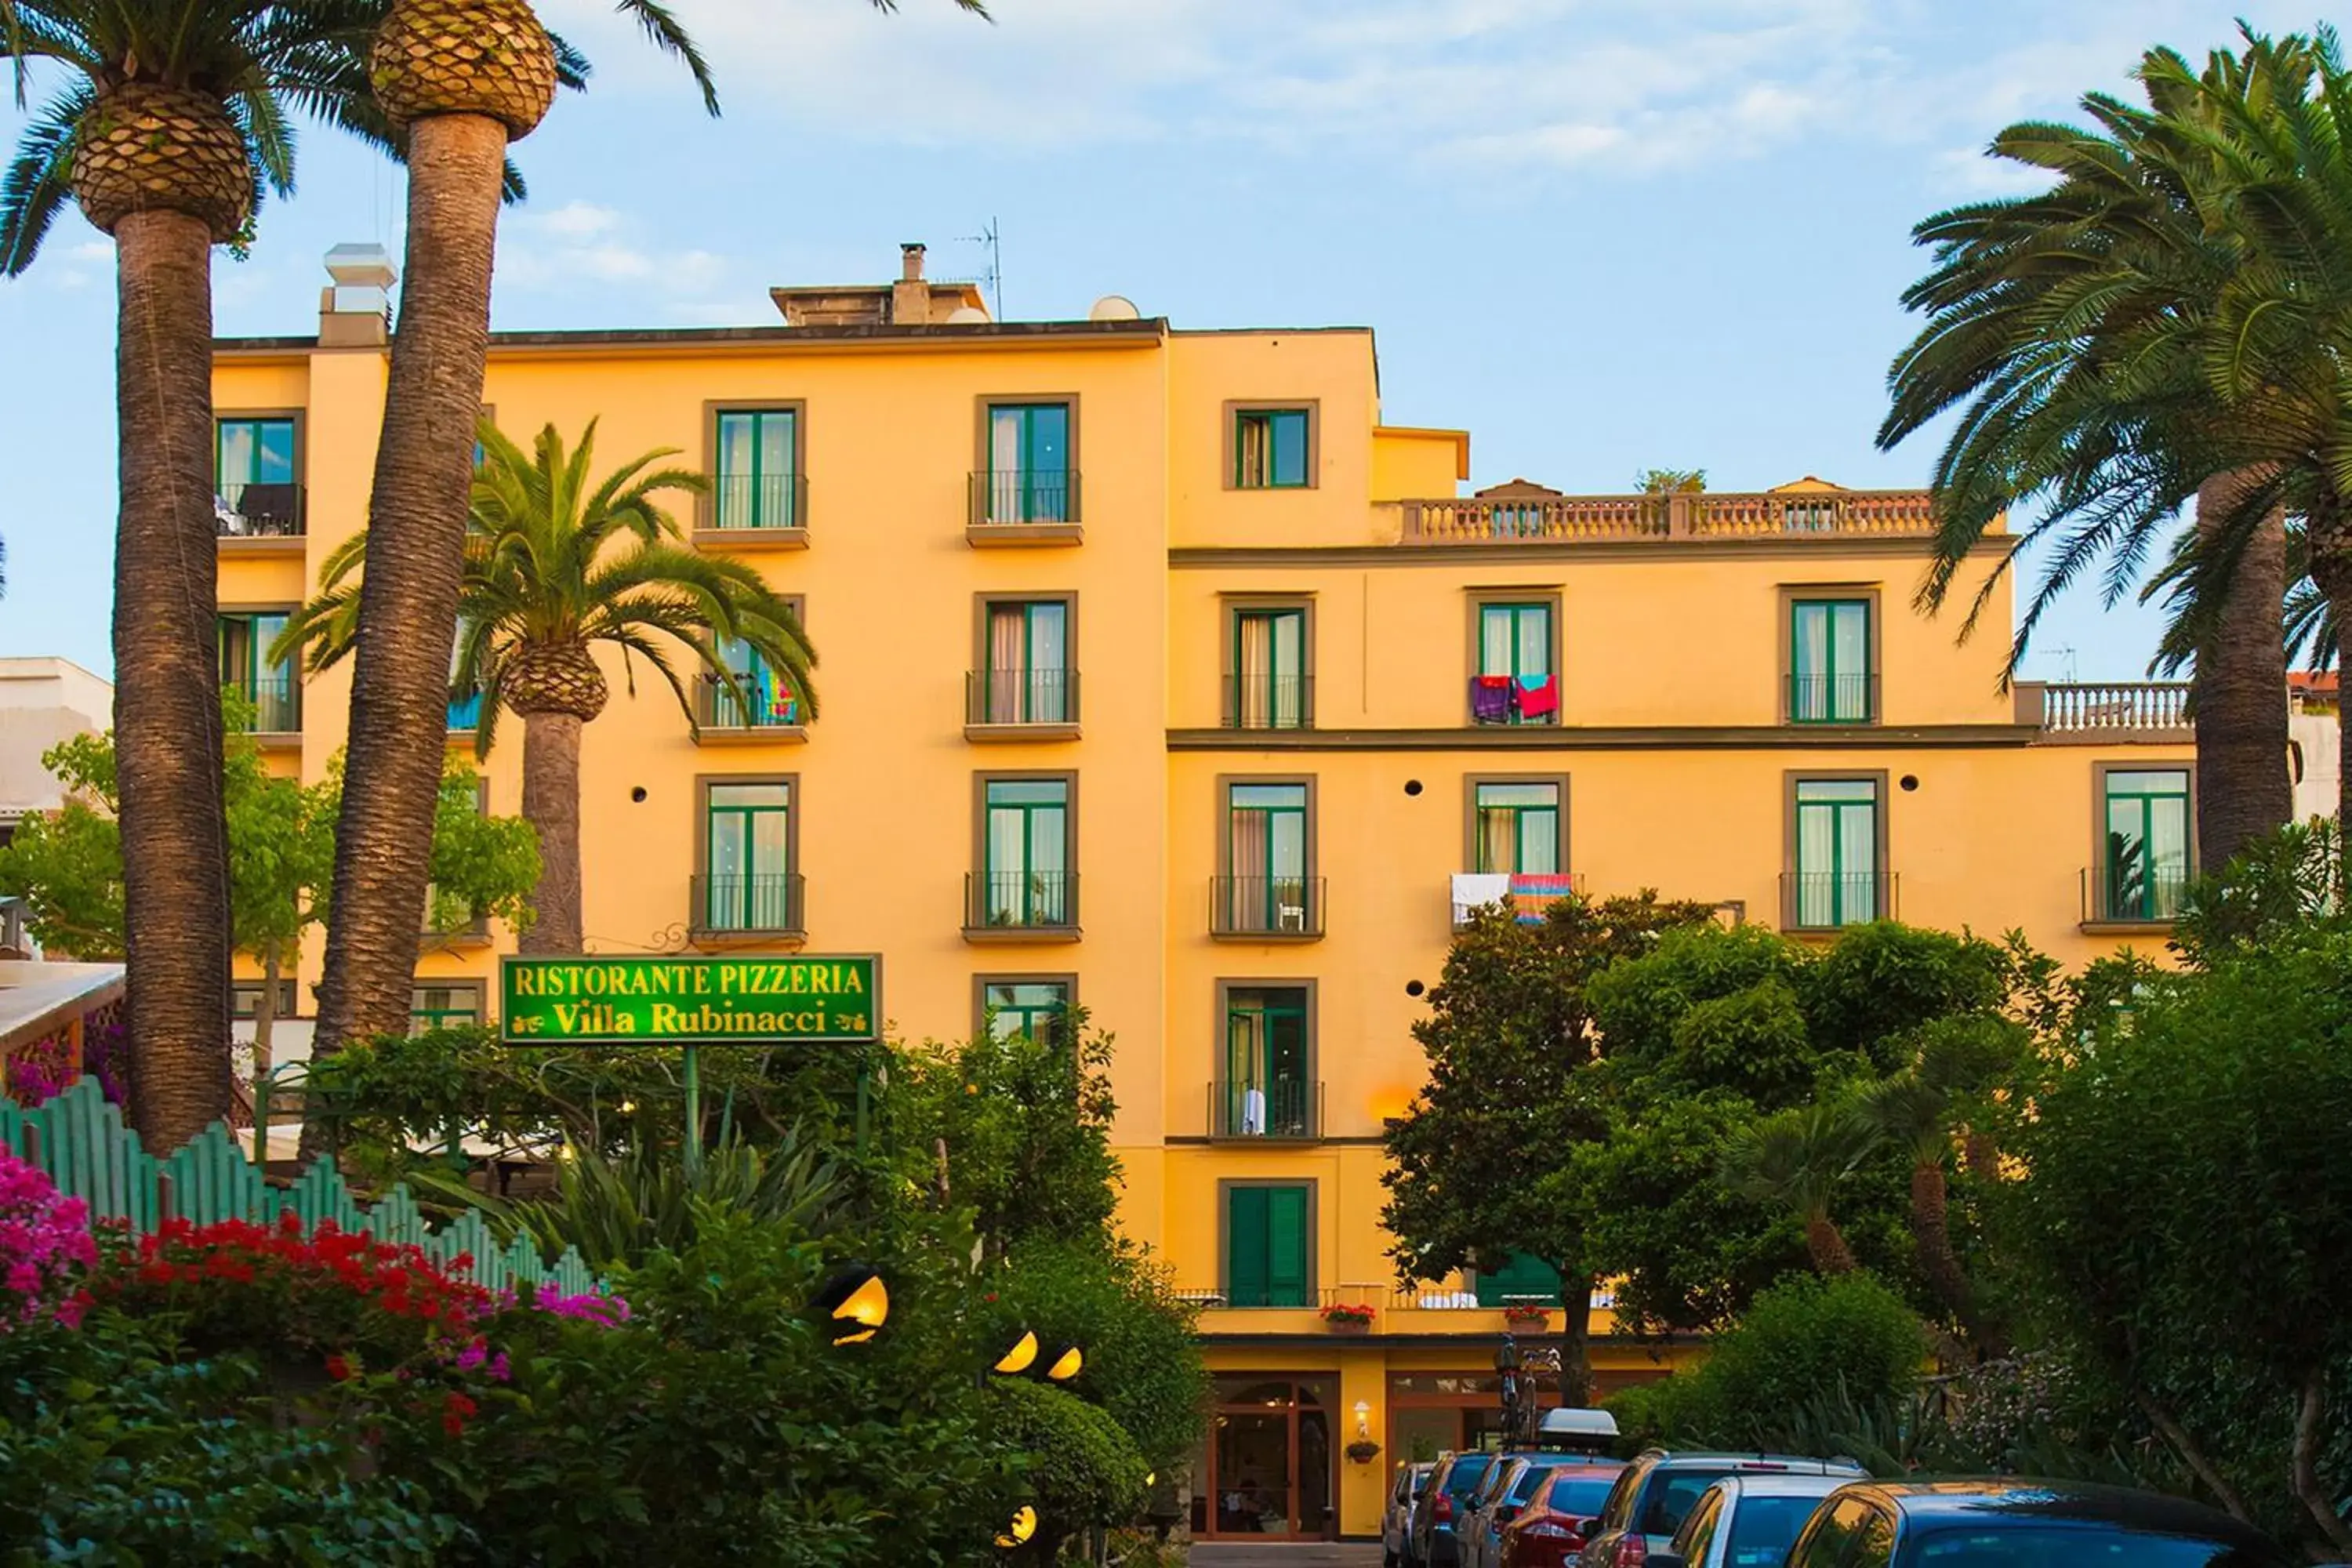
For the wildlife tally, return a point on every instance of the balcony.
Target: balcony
(751, 708)
(465, 714)
(1528, 895)
(1831, 514)
(1260, 701)
(766, 908)
(1020, 705)
(262, 518)
(1021, 906)
(747, 513)
(1023, 507)
(2102, 712)
(452, 927)
(1814, 901)
(277, 702)
(2133, 897)
(1286, 1108)
(1265, 909)
(1830, 699)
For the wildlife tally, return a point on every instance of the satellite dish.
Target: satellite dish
(1114, 307)
(967, 316)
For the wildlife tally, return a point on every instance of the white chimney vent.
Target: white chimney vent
(356, 309)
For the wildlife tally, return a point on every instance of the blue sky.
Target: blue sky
(1603, 235)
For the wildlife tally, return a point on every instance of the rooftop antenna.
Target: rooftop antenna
(993, 279)
(2067, 654)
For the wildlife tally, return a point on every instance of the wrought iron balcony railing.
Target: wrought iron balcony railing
(1256, 701)
(258, 511)
(741, 504)
(1265, 906)
(749, 703)
(764, 905)
(1024, 497)
(1833, 698)
(1281, 1107)
(1012, 697)
(1826, 901)
(1013, 901)
(2133, 893)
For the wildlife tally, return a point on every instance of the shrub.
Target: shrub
(1082, 1470)
(44, 1243)
(1802, 1340)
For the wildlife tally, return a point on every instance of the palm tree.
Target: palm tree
(538, 590)
(461, 78)
(2071, 329)
(1795, 1159)
(168, 133)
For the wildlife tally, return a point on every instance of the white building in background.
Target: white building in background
(2314, 735)
(43, 701)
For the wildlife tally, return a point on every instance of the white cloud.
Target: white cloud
(555, 253)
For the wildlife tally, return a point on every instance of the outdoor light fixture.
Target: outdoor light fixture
(857, 1302)
(628, 1107)
(1066, 1366)
(1018, 1358)
(1023, 1526)
(1364, 1418)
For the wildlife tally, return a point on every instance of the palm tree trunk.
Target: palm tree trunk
(1826, 1244)
(265, 1015)
(550, 803)
(408, 597)
(2243, 793)
(167, 703)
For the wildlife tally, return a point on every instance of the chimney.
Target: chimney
(355, 311)
(911, 297)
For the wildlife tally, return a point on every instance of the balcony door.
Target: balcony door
(749, 850)
(2145, 867)
(757, 454)
(253, 469)
(1029, 462)
(1267, 888)
(1028, 674)
(1268, 1090)
(1027, 874)
(1269, 669)
(1837, 880)
(245, 642)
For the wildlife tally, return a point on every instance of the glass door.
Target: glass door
(1028, 846)
(1267, 1090)
(1265, 1469)
(1029, 463)
(1028, 663)
(750, 850)
(1269, 669)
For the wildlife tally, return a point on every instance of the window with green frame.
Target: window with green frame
(272, 688)
(245, 999)
(1523, 1280)
(1514, 684)
(253, 473)
(758, 484)
(1266, 886)
(1517, 827)
(444, 1007)
(1268, 1089)
(754, 696)
(1838, 847)
(1029, 475)
(1266, 1246)
(1270, 450)
(1269, 683)
(2144, 862)
(1829, 678)
(1028, 680)
(1031, 1009)
(747, 847)
(1025, 876)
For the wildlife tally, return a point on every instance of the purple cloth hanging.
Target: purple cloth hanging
(1490, 700)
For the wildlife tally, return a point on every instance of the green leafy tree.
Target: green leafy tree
(555, 563)
(2185, 1225)
(68, 865)
(1795, 1159)
(1671, 481)
(1482, 1165)
(1082, 1471)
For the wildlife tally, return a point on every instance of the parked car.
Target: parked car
(1470, 1522)
(1548, 1531)
(1658, 1489)
(1504, 1496)
(1396, 1518)
(1441, 1504)
(1747, 1522)
(2011, 1523)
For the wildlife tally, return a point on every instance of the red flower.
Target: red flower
(338, 1368)
(455, 1408)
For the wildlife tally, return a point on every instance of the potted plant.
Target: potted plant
(1348, 1320)
(1527, 1315)
(1363, 1450)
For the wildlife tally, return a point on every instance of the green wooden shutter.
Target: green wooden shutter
(1246, 1246)
(1285, 1261)
(1525, 1280)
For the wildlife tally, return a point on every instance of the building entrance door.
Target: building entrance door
(1266, 1470)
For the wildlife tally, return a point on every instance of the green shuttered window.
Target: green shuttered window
(1266, 1247)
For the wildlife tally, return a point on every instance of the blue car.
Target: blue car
(2023, 1524)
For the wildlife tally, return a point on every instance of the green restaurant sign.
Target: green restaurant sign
(686, 1001)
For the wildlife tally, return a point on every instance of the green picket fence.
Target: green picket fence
(79, 1140)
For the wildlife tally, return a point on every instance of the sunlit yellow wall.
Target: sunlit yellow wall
(1673, 748)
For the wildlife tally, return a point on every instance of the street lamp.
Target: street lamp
(1065, 1367)
(1018, 1358)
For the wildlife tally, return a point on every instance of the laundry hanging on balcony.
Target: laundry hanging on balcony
(1538, 699)
(1475, 890)
(1492, 700)
(1533, 892)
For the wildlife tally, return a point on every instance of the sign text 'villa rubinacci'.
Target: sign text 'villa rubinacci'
(571, 1000)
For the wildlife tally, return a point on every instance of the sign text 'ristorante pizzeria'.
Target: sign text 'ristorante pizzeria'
(573, 1001)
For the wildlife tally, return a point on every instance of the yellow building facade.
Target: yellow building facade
(1160, 678)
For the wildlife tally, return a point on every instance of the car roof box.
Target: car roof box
(1569, 1425)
